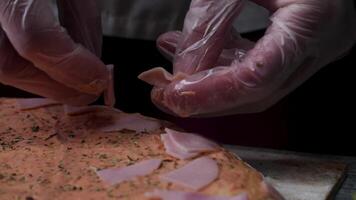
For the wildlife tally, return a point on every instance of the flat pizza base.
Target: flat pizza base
(45, 154)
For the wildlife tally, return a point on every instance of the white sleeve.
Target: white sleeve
(142, 19)
(147, 19)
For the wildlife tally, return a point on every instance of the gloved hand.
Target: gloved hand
(228, 74)
(39, 55)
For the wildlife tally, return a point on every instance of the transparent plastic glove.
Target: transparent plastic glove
(226, 74)
(39, 55)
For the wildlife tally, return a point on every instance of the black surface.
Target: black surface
(321, 113)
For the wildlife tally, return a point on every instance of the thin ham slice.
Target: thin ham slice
(114, 176)
(81, 110)
(271, 190)
(190, 142)
(242, 196)
(173, 150)
(134, 122)
(34, 103)
(158, 77)
(109, 94)
(195, 175)
(120, 121)
(179, 195)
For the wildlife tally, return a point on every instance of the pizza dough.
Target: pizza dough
(46, 154)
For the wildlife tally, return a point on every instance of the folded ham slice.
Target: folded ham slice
(179, 195)
(195, 175)
(34, 103)
(190, 142)
(159, 77)
(117, 175)
(134, 122)
(174, 150)
(186, 145)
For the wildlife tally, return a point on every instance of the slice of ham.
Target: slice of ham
(134, 122)
(159, 77)
(173, 150)
(114, 176)
(242, 196)
(179, 195)
(81, 110)
(195, 175)
(268, 188)
(109, 94)
(190, 142)
(34, 103)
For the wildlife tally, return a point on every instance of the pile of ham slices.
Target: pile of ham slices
(199, 172)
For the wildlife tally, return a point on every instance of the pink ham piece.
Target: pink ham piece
(121, 121)
(134, 122)
(114, 176)
(109, 94)
(173, 150)
(190, 142)
(159, 77)
(268, 188)
(242, 196)
(34, 103)
(81, 110)
(195, 175)
(178, 195)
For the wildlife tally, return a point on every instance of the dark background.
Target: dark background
(318, 117)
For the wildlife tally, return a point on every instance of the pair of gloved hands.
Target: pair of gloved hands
(224, 73)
